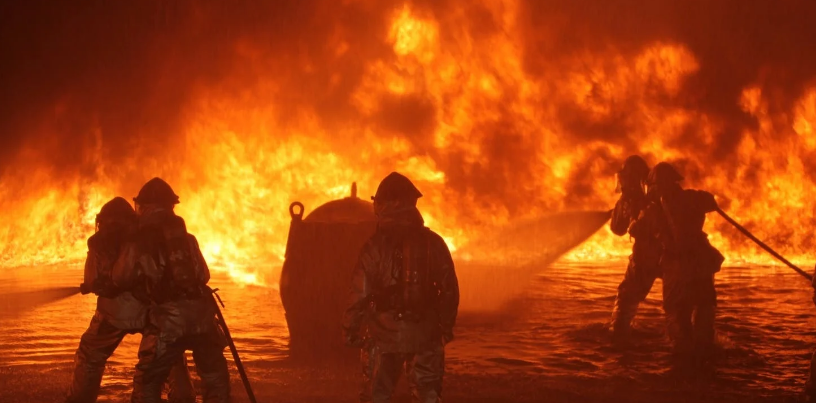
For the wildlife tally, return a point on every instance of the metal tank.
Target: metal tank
(321, 252)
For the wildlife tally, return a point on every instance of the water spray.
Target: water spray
(16, 302)
(516, 253)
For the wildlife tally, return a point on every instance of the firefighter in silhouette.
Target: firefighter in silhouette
(163, 265)
(117, 314)
(404, 299)
(675, 218)
(643, 262)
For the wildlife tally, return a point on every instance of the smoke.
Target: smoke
(523, 106)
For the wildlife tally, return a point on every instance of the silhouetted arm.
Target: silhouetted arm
(91, 266)
(703, 200)
(448, 287)
(125, 273)
(201, 268)
(620, 217)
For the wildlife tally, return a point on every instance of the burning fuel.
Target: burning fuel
(502, 110)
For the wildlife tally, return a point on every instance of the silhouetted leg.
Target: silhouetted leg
(704, 315)
(680, 331)
(426, 371)
(208, 354)
(96, 345)
(408, 368)
(368, 359)
(704, 326)
(387, 370)
(180, 384)
(155, 361)
(635, 287)
(678, 303)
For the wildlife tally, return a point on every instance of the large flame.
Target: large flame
(451, 97)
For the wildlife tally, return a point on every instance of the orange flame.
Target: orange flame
(240, 163)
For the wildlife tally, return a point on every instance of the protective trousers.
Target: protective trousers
(95, 347)
(156, 358)
(382, 370)
(690, 302)
(635, 287)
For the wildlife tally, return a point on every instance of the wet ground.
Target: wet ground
(550, 345)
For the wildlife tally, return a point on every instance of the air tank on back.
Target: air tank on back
(321, 252)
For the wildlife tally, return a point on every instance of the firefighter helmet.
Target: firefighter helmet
(156, 191)
(663, 173)
(635, 167)
(396, 187)
(117, 209)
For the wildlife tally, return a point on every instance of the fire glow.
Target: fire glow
(457, 109)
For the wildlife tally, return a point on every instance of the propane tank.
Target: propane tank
(321, 252)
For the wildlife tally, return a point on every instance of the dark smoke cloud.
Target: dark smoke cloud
(128, 69)
(73, 67)
(736, 42)
(407, 115)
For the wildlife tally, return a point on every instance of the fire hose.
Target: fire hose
(762, 245)
(217, 300)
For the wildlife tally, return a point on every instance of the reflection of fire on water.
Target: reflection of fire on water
(499, 112)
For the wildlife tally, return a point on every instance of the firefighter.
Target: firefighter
(404, 299)
(643, 262)
(163, 265)
(117, 314)
(688, 262)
